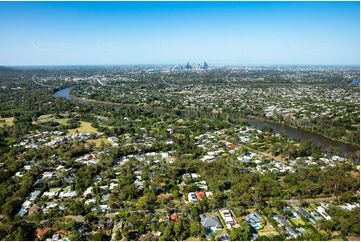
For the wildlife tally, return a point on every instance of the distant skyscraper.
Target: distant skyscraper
(205, 65)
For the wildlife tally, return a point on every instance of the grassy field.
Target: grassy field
(44, 118)
(298, 221)
(194, 239)
(85, 127)
(268, 233)
(62, 121)
(7, 121)
(106, 126)
(49, 117)
(267, 230)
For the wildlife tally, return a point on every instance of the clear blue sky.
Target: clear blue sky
(68, 33)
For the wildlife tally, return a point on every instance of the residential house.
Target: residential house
(321, 210)
(228, 218)
(68, 193)
(316, 215)
(281, 220)
(211, 223)
(192, 197)
(200, 195)
(292, 210)
(291, 232)
(254, 219)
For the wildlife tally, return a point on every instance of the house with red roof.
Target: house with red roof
(200, 195)
(174, 217)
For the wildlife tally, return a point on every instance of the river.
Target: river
(290, 132)
(65, 93)
(299, 134)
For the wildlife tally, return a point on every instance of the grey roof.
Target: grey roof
(304, 213)
(281, 219)
(289, 209)
(291, 231)
(210, 221)
(253, 218)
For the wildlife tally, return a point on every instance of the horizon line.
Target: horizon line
(174, 64)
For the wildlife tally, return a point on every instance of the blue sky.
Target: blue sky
(71, 33)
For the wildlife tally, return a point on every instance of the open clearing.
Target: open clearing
(267, 230)
(49, 117)
(85, 127)
(7, 121)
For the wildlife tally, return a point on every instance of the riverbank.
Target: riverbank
(302, 129)
(280, 128)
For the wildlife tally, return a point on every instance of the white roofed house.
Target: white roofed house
(228, 218)
(88, 191)
(349, 206)
(34, 195)
(105, 198)
(112, 186)
(47, 175)
(139, 184)
(90, 201)
(202, 185)
(68, 193)
(52, 193)
(195, 176)
(27, 167)
(321, 210)
(192, 197)
(104, 208)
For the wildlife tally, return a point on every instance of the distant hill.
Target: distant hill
(9, 74)
(10, 71)
(4, 68)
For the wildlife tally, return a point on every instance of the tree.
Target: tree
(194, 228)
(168, 233)
(278, 203)
(147, 201)
(242, 233)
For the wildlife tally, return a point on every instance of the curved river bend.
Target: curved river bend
(290, 132)
(298, 134)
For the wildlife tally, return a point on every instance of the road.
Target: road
(38, 83)
(310, 200)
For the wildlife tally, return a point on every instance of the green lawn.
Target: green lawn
(49, 117)
(298, 221)
(85, 127)
(267, 230)
(7, 121)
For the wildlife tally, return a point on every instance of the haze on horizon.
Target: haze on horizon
(101, 33)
